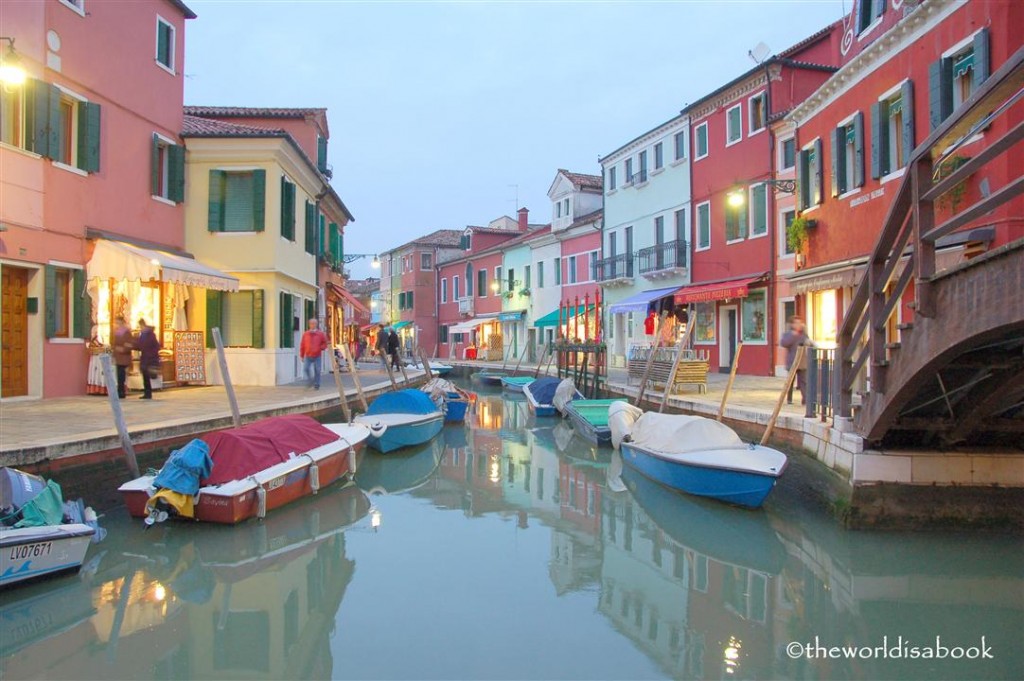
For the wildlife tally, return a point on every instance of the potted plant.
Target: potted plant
(797, 233)
(524, 292)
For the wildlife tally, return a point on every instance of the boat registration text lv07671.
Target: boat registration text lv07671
(31, 550)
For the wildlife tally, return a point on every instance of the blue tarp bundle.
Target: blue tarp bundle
(185, 468)
(543, 389)
(403, 402)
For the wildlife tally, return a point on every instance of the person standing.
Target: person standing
(314, 342)
(122, 351)
(382, 345)
(393, 346)
(668, 329)
(149, 359)
(652, 318)
(791, 340)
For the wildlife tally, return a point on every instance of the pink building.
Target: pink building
(91, 162)
(576, 224)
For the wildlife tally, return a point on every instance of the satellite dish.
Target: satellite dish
(760, 52)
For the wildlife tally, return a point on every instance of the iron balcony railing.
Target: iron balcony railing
(821, 383)
(616, 267)
(666, 256)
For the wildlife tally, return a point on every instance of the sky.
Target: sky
(444, 115)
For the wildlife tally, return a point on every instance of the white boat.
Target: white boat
(30, 552)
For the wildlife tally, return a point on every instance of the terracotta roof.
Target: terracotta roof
(442, 237)
(811, 39)
(194, 126)
(582, 181)
(184, 9)
(251, 112)
(587, 219)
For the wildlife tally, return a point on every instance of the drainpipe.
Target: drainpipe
(774, 243)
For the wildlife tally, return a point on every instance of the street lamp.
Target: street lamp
(736, 198)
(375, 263)
(495, 286)
(12, 74)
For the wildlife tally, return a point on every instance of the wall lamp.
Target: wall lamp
(12, 73)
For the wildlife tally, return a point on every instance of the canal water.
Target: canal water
(510, 549)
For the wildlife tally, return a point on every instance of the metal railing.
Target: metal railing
(666, 256)
(821, 381)
(616, 267)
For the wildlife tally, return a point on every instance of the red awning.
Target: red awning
(345, 295)
(702, 293)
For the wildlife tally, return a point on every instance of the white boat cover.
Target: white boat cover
(438, 389)
(621, 417)
(563, 394)
(678, 434)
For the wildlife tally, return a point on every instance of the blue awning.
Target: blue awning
(640, 301)
(511, 316)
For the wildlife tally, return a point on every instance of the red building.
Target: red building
(733, 208)
(905, 67)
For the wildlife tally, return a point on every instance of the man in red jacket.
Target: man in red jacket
(314, 342)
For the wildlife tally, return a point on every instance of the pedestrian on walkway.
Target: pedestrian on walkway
(382, 345)
(393, 347)
(791, 340)
(122, 351)
(149, 357)
(668, 329)
(314, 342)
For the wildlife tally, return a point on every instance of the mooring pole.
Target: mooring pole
(355, 377)
(222, 360)
(732, 377)
(119, 422)
(797, 363)
(336, 370)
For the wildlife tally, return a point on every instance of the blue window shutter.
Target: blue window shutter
(215, 214)
(89, 136)
(176, 173)
(214, 302)
(258, 337)
(981, 57)
(858, 150)
(907, 96)
(259, 199)
(940, 91)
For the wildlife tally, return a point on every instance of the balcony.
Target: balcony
(616, 270)
(663, 260)
(639, 178)
(466, 306)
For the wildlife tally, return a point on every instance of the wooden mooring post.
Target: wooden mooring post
(732, 377)
(119, 422)
(222, 361)
(797, 363)
(355, 377)
(336, 370)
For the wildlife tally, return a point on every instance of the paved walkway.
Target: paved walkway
(32, 431)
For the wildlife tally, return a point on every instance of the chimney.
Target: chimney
(524, 219)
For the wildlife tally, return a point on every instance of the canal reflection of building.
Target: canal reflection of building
(195, 601)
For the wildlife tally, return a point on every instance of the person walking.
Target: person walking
(382, 345)
(149, 359)
(314, 342)
(122, 351)
(393, 347)
(791, 340)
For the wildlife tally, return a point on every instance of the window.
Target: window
(700, 141)
(680, 218)
(611, 178)
(401, 300)
(12, 116)
(629, 171)
(659, 230)
(311, 228)
(659, 156)
(734, 125)
(466, 242)
(571, 273)
(953, 78)
(456, 293)
(557, 266)
(287, 209)
(444, 290)
(540, 274)
(511, 280)
(643, 167)
(868, 11)
(164, 44)
(808, 176)
(52, 122)
(704, 325)
(469, 280)
(736, 222)
(758, 210)
(848, 155)
(59, 303)
(497, 280)
(680, 144)
(703, 226)
(239, 316)
(628, 233)
(567, 212)
(593, 266)
(321, 153)
(757, 109)
(426, 261)
(237, 201)
(409, 300)
(755, 317)
(787, 219)
(892, 131)
(558, 209)
(77, 6)
(527, 282)
(788, 153)
(481, 283)
(443, 338)
(335, 244)
(167, 171)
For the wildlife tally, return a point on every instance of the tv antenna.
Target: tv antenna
(759, 53)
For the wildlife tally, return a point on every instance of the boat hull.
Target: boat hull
(407, 435)
(598, 433)
(32, 552)
(734, 487)
(456, 407)
(513, 386)
(488, 378)
(230, 508)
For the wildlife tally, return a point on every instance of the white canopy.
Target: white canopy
(466, 327)
(119, 260)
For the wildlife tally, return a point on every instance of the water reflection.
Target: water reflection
(512, 529)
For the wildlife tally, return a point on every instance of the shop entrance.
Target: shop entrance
(14, 335)
(727, 333)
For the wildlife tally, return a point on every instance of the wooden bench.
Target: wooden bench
(689, 372)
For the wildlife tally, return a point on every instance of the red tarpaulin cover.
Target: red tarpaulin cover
(241, 452)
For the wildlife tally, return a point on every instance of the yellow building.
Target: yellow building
(260, 208)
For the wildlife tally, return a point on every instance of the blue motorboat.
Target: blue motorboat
(703, 457)
(490, 376)
(515, 384)
(540, 395)
(401, 419)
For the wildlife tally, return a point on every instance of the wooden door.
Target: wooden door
(14, 335)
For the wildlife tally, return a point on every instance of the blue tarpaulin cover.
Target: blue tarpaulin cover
(543, 389)
(403, 402)
(185, 468)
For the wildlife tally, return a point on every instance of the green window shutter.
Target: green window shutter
(409, 299)
(981, 58)
(907, 97)
(858, 149)
(163, 44)
(323, 243)
(837, 142)
(215, 215)
(82, 306)
(259, 199)
(940, 91)
(819, 172)
(801, 180)
(50, 280)
(732, 227)
(176, 173)
(214, 302)
(38, 114)
(321, 153)
(89, 137)
(54, 128)
(310, 312)
(154, 165)
(879, 129)
(310, 235)
(257, 319)
(286, 331)
(287, 209)
(744, 218)
(759, 204)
